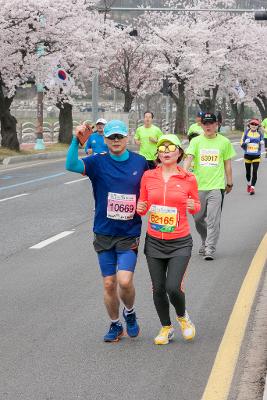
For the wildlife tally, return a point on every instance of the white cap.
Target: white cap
(101, 121)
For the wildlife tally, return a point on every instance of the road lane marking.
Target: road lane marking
(33, 181)
(77, 180)
(223, 369)
(15, 197)
(5, 178)
(26, 164)
(53, 239)
(239, 159)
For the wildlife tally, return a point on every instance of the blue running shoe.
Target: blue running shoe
(115, 332)
(132, 326)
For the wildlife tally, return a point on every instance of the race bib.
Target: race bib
(163, 218)
(252, 148)
(209, 157)
(121, 206)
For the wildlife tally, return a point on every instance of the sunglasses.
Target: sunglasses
(115, 136)
(253, 124)
(170, 148)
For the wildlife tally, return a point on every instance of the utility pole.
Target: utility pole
(39, 145)
(95, 95)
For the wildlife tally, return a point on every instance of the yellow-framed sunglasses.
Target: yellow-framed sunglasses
(170, 147)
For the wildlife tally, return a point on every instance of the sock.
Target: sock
(128, 311)
(115, 321)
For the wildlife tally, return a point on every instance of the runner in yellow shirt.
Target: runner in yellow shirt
(196, 128)
(147, 136)
(212, 154)
(264, 126)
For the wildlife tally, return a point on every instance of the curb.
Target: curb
(33, 157)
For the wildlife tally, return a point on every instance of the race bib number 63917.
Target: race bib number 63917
(121, 206)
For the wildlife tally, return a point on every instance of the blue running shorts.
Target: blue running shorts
(113, 260)
(116, 253)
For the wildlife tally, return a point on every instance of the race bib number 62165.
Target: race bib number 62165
(121, 206)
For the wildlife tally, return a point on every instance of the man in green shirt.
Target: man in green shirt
(196, 128)
(146, 137)
(264, 125)
(212, 154)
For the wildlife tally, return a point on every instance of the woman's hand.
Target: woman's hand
(141, 206)
(190, 204)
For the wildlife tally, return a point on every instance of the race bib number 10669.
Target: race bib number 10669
(121, 206)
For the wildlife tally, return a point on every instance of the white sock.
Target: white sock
(129, 311)
(115, 321)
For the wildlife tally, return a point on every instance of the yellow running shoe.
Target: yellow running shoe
(187, 327)
(165, 335)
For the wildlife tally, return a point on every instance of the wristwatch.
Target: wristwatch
(230, 186)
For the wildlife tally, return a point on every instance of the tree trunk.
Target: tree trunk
(261, 103)
(239, 115)
(65, 122)
(128, 100)
(180, 123)
(209, 102)
(8, 123)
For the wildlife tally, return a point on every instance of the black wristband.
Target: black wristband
(230, 186)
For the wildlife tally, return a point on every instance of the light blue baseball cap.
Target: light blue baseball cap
(115, 126)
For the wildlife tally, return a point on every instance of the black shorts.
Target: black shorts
(120, 243)
(251, 158)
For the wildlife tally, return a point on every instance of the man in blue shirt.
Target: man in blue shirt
(115, 177)
(96, 143)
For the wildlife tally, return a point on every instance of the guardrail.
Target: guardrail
(27, 131)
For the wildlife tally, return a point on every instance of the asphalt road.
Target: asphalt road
(52, 317)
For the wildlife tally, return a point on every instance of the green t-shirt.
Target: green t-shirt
(195, 128)
(264, 125)
(147, 148)
(209, 156)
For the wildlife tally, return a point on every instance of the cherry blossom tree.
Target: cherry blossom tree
(126, 64)
(61, 28)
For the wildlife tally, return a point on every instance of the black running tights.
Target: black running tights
(255, 167)
(167, 279)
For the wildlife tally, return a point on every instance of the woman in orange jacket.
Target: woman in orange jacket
(167, 194)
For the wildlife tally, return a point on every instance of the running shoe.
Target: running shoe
(132, 326)
(201, 250)
(248, 188)
(187, 327)
(115, 332)
(252, 191)
(165, 335)
(208, 255)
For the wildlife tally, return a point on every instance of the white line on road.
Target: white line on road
(52, 240)
(15, 197)
(77, 180)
